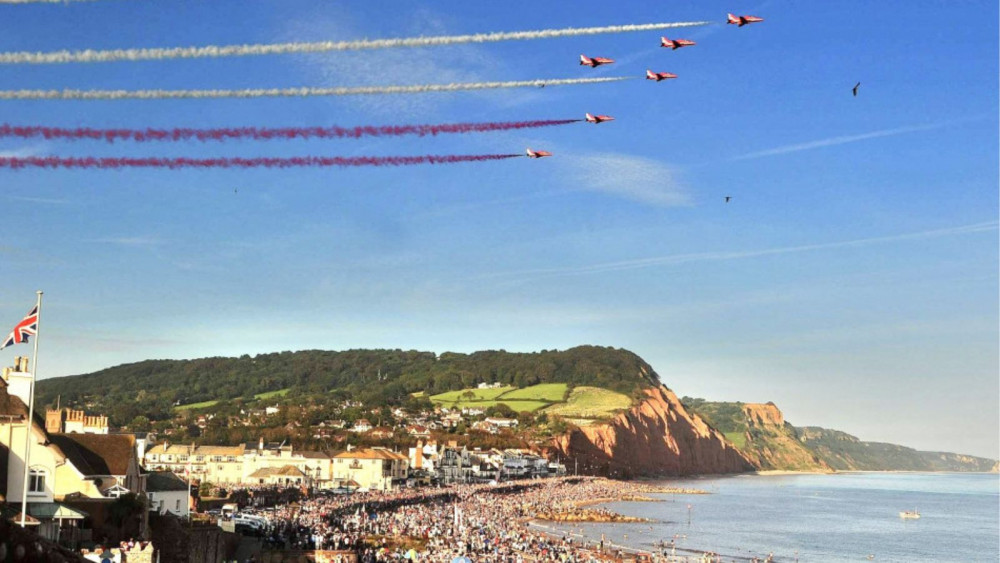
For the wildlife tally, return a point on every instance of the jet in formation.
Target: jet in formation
(658, 76)
(595, 62)
(743, 20)
(675, 44)
(599, 118)
(537, 154)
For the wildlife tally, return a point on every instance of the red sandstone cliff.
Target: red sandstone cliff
(656, 437)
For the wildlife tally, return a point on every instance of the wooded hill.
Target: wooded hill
(374, 377)
(773, 443)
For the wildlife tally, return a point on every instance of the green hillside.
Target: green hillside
(769, 445)
(153, 388)
(845, 452)
(528, 399)
(810, 448)
(586, 405)
(581, 405)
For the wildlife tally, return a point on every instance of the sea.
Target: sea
(815, 517)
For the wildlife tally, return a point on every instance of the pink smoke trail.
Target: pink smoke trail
(264, 133)
(17, 162)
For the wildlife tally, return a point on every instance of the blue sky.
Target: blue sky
(852, 279)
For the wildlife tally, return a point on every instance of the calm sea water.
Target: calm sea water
(840, 517)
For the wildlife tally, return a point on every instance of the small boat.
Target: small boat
(909, 514)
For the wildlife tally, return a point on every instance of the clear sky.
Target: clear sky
(852, 279)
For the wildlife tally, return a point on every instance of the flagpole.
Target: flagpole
(31, 412)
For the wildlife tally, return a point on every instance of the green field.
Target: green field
(479, 395)
(528, 399)
(525, 406)
(201, 405)
(206, 404)
(591, 403)
(551, 392)
(739, 439)
(272, 394)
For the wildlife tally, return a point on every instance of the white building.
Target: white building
(168, 493)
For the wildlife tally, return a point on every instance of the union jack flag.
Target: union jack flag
(27, 327)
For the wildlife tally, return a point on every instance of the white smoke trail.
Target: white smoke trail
(289, 92)
(92, 56)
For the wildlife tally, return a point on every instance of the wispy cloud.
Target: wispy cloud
(631, 177)
(31, 150)
(130, 241)
(466, 207)
(841, 140)
(718, 256)
(39, 199)
(462, 63)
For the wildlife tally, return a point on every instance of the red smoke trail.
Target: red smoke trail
(265, 134)
(16, 163)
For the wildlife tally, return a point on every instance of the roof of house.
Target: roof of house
(97, 454)
(313, 455)
(371, 453)
(290, 470)
(185, 449)
(287, 470)
(162, 481)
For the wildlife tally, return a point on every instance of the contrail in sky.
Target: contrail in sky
(16, 163)
(675, 259)
(95, 56)
(291, 92)
(267, 133)
(841, 140)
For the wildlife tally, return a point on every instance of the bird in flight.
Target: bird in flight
(728, 197)
(855, 89)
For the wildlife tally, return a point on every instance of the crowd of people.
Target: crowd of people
(479, 523)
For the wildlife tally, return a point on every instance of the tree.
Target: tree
(501, 410)
(140, 424)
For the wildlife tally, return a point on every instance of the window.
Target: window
(199, 458)
(216, 458)
(177, 505)
(182, 458)
(231, 458)
(36, 481)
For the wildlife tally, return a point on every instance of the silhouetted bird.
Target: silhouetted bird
(855, 89)
(728, 197)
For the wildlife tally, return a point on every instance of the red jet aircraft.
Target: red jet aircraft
(675, 44)
(594, 61)
(599, 118)
(537, 154)
(743, 20)
(658, 76)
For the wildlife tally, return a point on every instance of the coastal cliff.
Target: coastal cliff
(656, 437)
(771, 443)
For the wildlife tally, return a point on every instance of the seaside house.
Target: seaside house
(72, 479)
(168, 493)
(376, 469)
(239, 464)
